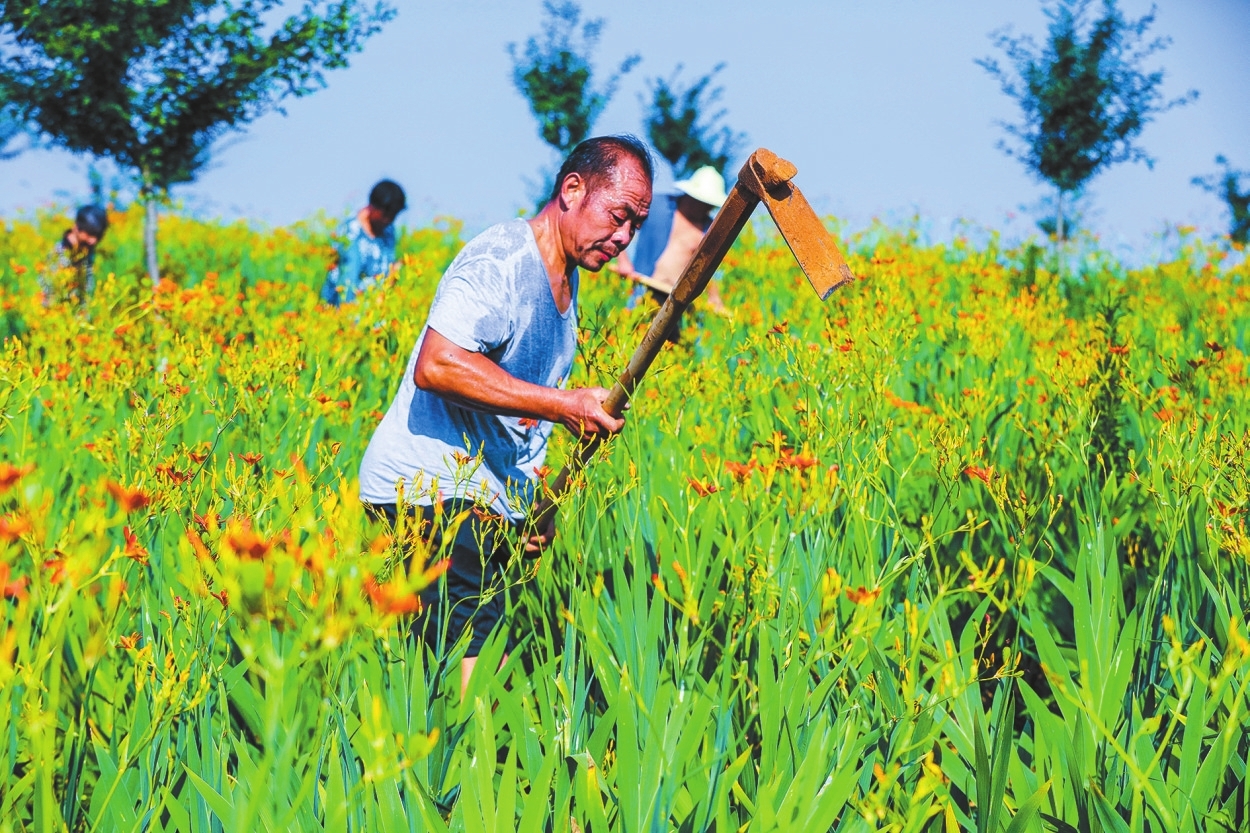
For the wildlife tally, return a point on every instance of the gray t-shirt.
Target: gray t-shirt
(495, 299)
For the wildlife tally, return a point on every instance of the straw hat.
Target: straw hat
(705, 185)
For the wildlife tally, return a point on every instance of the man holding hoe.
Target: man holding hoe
(482, 388)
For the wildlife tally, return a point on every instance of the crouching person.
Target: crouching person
(71, 273)
(365, 246)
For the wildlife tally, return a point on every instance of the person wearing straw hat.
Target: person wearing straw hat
(672, 232)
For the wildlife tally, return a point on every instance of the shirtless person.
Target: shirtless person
(673, 231)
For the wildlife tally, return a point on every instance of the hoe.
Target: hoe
(767, 179)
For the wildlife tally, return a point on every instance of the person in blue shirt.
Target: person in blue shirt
(366, 246)
(674, 229)
(72, 269)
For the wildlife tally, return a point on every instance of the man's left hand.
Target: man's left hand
(540, 539)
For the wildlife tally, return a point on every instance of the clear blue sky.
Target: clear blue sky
(879, 104)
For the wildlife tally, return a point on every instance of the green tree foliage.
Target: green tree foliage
(1227, 186)
(680, 129)
(151, 86)
(11, 129)
(555, 74)
(1084, 97)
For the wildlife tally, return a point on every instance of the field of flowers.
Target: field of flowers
(964, 548)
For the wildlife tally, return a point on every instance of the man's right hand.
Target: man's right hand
(584, 413)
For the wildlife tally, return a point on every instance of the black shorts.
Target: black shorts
(471, 593)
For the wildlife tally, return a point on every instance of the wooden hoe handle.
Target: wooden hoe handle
(765, 177)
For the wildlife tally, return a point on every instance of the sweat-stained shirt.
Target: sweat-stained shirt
(494, 299)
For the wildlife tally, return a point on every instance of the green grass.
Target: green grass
(964, 548)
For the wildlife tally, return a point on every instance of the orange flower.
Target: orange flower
(248, 543)
(741, 471)
(703, 489)
(789, 460)
(12, 527)
(435, 570)
(10, 474)
(223, 597)
(1227, 511)
(197, 544)
(57, 567)
(862, 595)
(207, 520)
(251, 458)
(985, 475)
(15, 589)
(130, 500)
(134, 549)
(129, 642)
(391, 600)
(167, 471)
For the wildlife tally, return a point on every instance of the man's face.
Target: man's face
(601, 217)
(83, 239)
(379, 220)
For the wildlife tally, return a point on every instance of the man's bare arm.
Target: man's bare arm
(473, 381)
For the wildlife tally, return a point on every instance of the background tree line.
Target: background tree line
(152, 87)
(1085, 95)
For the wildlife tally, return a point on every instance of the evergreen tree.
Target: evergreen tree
(680, 129)
(555, 74)
(1227, 186)
(152, 85)
(1084, 97)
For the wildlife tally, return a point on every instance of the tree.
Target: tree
(153, 85)
(1084, 98)
(679, 129)
(554, 73)
(1227, 186)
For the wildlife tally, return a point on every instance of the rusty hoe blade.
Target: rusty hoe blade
(764, 178)
(770, 180)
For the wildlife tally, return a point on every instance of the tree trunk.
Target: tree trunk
(149, 239)
(1060, 249)
(1059, 219)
